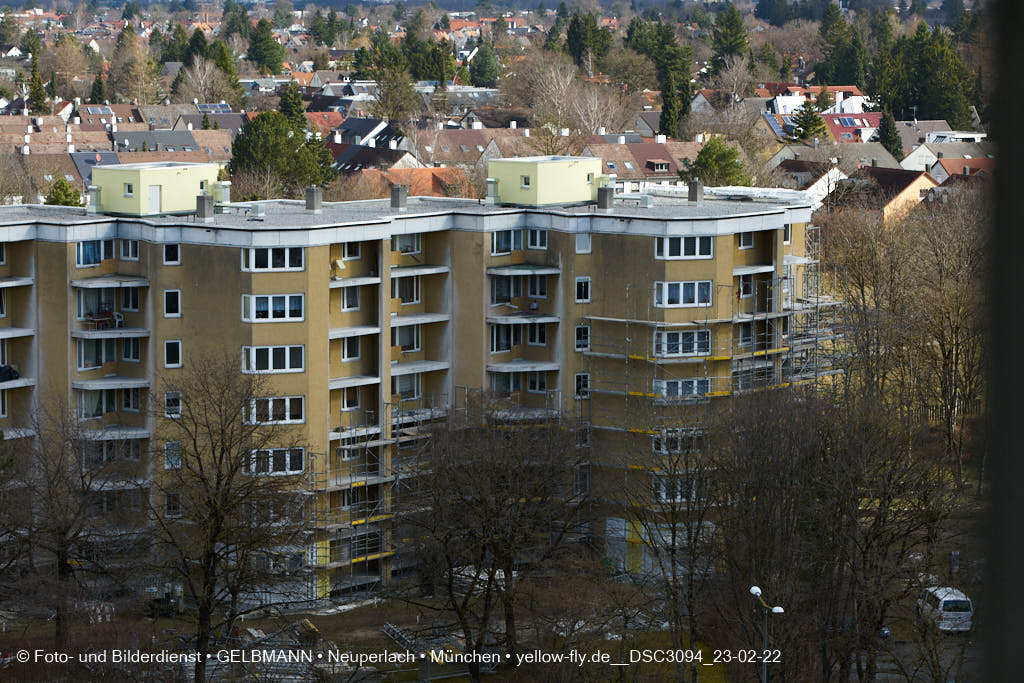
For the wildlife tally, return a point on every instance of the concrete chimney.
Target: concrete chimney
(602, 130)
(314, 200)
(67, 138)
(204, 208)
(77, 120)
(71, 149)
(621, 140)
(565, 132)
(113, 127)
(695, 191)
(399, 197)
(605, 195)
(967, 170)
(188, 126)
(526, 132)
(24, 150)
(28, 138)
(372, 142)
(938, 154)
(660, 139)
(337, 138)
(29, 128)
(478, 125)
(492, 191)
(874, 162)
(512, 123)
(392, 144)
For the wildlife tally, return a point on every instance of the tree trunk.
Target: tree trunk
(204, 615)
(60, 623)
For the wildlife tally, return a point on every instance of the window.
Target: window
(746, 240)
(406, 244)
(536, 334)
(683, 247)
(172, 404)
(172, 455)
(131, 400)
(172, 504)
(129, 190)
(272, 307)
(536, 382)
(582, 290)
(787, 233)
(3, 253)
(131, 350)
(95, 302)
(506, 241)
(524, 182)
(681, 294)
(350, 398)
(537, 286)
(406, 386)
(272, 258)
(260, 359)
(504, 337)
(3, 352)
(129, 250)
(745, 334)
(129, 298)
(538, 239)
(582, 384)
(407, 336)
(407, 289)
(582, 337)
(583, 243)
(682, 343)
(172, 255)
(172, 353)
(172, 303)
(787, 277)
(108, 249)
(3, 403)
(676, 388)
(678, 489)
(746, 286)
(3, 303)
(88, 253)
(275, 461)
(505, 383)
(350, 349)
(350, 298)
(504, 288)
(93, 353)
(350, 251)
(96, 403)
(277, 410)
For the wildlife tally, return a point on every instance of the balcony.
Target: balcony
(358, 281)
(524, 269)
(352, 331)
(422, 269)
(398, 320)
(523, 318)
(110, 281)
(523, 365)
(111, 382)
(113, 432)
(16, 281)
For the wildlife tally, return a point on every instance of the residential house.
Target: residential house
(155, 141)
(847, 157)
(923, 156)
(817, 178)
(352, 158)
(889, 192)
(913, 133)
(852, 128)
(945, 168)
(164, 116)
(230, 122)
(640, 166)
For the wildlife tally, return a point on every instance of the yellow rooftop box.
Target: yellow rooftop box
(152, 188)
(540, 180)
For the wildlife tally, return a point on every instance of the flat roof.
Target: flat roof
(154, 164)
(546, 157)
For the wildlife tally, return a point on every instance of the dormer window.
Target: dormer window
(659, 165)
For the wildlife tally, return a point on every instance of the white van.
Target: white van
(948, 608)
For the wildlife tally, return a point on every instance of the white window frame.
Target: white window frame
(537, 382)
(249, 308)
(417, 292)
(582, 338)
(128, 301)
(505, 337)
(583, 243)
(524, 182)
(746, 240)
(345, 308)
(170, 398)
(127, 344)
(129, 250)
(746, 287)
(168, 497)
(172, 459)
(266, 456)
(415, 248)
(417, 385)
(106, 352)
(346, 351)
(664, 247)
(537, 239)
(581, 385)
(79, 263)
(168, 344)
(129, 189)
(536, 334)
(177, 248)
(417, 338)
(515, 289)
(176, 295)
(515, 242)
(679, 388)
(271, 403)
(350, 251)
(537, 286)
(346, 403)
(576, 290)
(685, 343)
(251, 357)
(513, 379)
(662, 291)
(249, 256)
(787, 233)
(131, 400)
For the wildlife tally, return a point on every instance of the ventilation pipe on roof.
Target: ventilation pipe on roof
(314, 200)
(660, 139)
(605, 195)
(337, 137)
(399, 197)
(695, 191)
(512, 124)
(71, 149)
(392, 144)
(815, 143)
(204, 208)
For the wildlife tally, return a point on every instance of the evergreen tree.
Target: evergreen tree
(235, 20)
(63, 194)
(37, 103)
(824, 100)
(952, 10)
(484, 69)
(196, 47)
(729, 39)
(718, 164)
(916, 7)
(8, 30)
(563, 11)
(291, 105)
(270, 142)
(446, 22)
(98, 94)
(890, 137)
(668, 122)
(205, 125)
(175, 47)
(807, 123)
(31, 43)
(265, 52)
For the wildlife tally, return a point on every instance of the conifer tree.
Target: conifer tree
(807, 122)
(890, 137)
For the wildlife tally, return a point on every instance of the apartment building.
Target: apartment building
(370, 318)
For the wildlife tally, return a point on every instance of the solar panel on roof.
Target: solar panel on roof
(846, 122)
(214, 108)
(98, 111)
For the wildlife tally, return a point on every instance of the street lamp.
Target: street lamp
(756, 592)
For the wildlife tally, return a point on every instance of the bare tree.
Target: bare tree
(15, 182)
(227, 514)
(497, 499)
(204, 80)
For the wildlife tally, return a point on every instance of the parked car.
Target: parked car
(948, 608)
